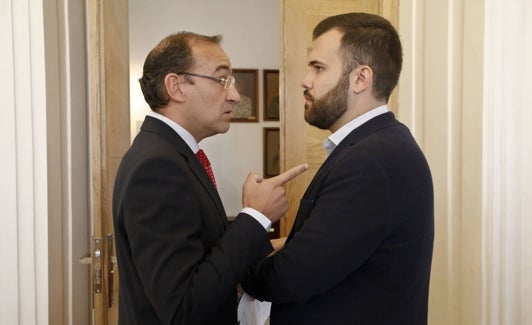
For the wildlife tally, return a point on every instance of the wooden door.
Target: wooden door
(300, 142)
(110, 138)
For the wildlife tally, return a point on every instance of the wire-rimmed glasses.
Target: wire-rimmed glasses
(227, 82)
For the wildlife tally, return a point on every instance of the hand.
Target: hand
(268, 196)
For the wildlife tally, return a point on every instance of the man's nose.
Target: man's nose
(233, 95)
(306, 83)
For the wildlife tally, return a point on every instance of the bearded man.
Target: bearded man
(360, 250)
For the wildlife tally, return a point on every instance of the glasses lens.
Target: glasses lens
(229, 81)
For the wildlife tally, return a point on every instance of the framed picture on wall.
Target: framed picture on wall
(247, 85)
(271, 151)
(271, 95)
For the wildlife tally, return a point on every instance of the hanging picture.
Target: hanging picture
(271, 151)
(247, 85)
(271, 95)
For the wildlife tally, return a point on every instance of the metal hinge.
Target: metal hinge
(97, 266)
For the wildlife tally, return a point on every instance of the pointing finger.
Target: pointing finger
(290, 174)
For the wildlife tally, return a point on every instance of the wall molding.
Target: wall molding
(24, 237)
(441, 105)
(467, 99)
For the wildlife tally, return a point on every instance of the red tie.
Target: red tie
(202, 157)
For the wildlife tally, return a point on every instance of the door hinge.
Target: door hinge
(110, 271)
(96, 261)
(97, 276)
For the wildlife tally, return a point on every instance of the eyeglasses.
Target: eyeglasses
(226, 82)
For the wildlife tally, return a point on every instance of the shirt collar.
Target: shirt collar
(334, 139)
(184, 134)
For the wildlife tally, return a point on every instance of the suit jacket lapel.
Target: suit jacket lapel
(154, 125)
(200, 173)
(358, 134)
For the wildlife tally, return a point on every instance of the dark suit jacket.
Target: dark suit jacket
(178, 262)
(360, 249)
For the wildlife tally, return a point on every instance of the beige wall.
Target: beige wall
(464, 93)
(432, 101)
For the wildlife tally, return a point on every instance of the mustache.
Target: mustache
(307, 95)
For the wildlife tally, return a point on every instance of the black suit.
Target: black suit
(360, 249)
(178, 262)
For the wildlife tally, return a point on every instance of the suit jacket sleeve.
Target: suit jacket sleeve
(185, 262)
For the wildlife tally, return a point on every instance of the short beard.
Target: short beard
(325, 111)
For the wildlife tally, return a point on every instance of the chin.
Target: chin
(225, 128)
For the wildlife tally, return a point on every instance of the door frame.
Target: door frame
(108, 28)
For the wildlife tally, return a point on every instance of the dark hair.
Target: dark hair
(368, 40)
(172, 54)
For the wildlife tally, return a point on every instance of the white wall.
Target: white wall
(507, 161)
(23, 181)
(251, 40)
(44, 179)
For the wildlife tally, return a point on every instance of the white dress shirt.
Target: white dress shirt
(334, 139)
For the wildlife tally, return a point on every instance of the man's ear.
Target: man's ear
(363, 78)
(173, 84)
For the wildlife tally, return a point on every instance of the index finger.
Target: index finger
(290, 174)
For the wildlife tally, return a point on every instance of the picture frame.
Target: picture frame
(247, 85)
(271, 95)
(272, 156)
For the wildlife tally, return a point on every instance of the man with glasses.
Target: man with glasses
(179, 263)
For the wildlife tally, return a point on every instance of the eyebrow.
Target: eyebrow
(315, 62)
(224, 68)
